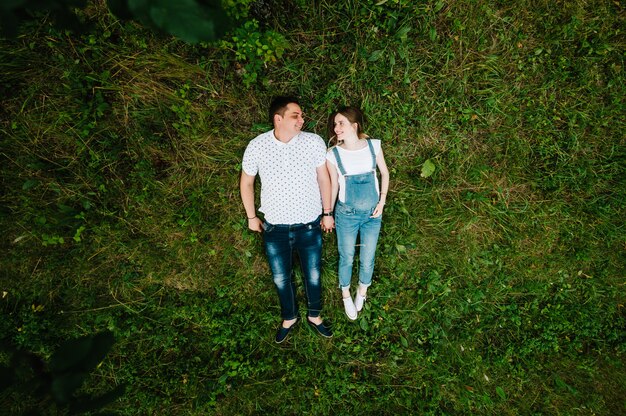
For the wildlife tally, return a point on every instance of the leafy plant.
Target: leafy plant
(428, 168)
(255, 49)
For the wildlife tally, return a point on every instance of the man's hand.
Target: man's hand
(255, 224)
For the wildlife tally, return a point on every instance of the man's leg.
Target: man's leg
(308, 243)
(309, 247)
(279, 255)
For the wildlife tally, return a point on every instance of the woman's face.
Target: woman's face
(343, 127)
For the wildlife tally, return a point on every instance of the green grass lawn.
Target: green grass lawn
(500, 279)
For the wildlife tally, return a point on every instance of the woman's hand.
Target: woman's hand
(378, 211)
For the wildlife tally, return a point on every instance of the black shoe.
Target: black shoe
(282, 332)
(321, 329)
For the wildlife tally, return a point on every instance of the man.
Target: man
(295, 192)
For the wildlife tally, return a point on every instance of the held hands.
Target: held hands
(328, 223)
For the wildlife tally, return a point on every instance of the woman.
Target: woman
(360, 199)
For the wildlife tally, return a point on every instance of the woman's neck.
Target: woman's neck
(352, 143)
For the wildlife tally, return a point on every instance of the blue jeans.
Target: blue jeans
(350, 223)
(281, 241)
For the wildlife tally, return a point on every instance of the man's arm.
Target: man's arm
(246, 187)
(323, 180)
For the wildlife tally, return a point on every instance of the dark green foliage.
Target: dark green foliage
(40, 386)
(190, 20)
(14, 12)
(81, 355)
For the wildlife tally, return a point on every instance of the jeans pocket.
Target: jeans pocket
(372, 211)
(344, 210)
(267, 227)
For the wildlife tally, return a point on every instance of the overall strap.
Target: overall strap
(339, 164)
(369, 143)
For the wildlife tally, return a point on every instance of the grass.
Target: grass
(499, 286)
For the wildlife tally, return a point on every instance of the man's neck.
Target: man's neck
(284, 137)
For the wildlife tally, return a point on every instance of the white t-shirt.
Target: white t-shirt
(354, 162)
(290, 193)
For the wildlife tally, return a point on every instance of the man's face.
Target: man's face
(291, 121)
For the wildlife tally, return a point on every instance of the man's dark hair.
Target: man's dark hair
(279, 105)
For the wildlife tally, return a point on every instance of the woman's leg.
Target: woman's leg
(347, 229)
(370, 230)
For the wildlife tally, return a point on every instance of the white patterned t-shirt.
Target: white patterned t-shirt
(290, 193)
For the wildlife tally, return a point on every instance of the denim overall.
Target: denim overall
(353, 218)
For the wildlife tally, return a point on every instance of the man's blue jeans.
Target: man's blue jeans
(281, 241)
(349, 223)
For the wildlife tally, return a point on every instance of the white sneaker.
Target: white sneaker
(348, 305)
(359, 301)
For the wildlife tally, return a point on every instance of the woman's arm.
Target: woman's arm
(384, 184)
